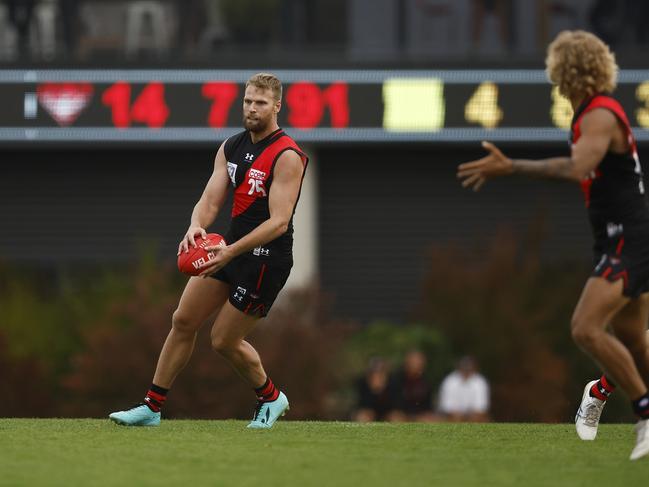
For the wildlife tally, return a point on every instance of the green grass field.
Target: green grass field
(187, 453)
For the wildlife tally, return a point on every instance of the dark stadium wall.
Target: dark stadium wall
(383, 209)
(86, 207)
(380, 210)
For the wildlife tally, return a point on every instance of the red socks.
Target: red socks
(268, 392)
(156, 398)
(602, 389)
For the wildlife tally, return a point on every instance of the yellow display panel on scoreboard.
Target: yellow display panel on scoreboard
(413, 105)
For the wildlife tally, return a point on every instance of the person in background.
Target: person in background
(481, 9)
(70, 24)
(20, 15)
(464, 394)
(192, 18)
(412, 392)
(374, 398)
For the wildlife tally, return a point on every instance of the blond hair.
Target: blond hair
(266, 81)
(581, 65)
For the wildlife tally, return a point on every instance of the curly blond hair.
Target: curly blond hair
(266, 81)
(581, 65)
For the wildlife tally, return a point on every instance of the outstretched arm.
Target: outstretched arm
(210, 202)
(597, 130)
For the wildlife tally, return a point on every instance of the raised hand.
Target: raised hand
(475, 173)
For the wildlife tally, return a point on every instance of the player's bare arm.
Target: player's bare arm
(282, 197)
(209, 204)
(598, 129)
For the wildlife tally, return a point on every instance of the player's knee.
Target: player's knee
(582, 334)
(182, 322)
(221, 345)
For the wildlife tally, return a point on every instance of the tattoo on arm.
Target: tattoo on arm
(556, 167)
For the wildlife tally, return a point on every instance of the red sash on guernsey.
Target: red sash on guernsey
(256, 184)
(602, 101)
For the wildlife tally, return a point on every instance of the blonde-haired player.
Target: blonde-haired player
(265, 168)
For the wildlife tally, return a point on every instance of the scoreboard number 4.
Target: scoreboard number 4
(482, 108)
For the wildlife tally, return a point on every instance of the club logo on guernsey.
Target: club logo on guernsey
(249, 156)
(232, 172)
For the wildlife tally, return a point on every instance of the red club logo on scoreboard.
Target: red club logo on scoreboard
(64, 101)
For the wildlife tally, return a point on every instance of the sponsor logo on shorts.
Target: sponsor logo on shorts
(261, 251)
(240, 293)
(614, 229)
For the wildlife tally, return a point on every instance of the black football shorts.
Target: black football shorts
(254, 284)
(626, 257)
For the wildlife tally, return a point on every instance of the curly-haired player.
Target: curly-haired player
(605, 162)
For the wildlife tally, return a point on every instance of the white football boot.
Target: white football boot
(588, 414)
(642, 440)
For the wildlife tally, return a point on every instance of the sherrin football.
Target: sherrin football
(190, 262)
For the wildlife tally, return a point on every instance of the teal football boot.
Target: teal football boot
(140, 415)
(266, 413)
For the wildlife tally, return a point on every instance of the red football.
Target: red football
(190, 262)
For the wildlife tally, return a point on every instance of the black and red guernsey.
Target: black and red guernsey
(614, 192)
(250, 167)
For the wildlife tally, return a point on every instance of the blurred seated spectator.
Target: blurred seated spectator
(20, 15)
(608, 20)
(464, 394)
(374, 397)
(638, 15)
(44, 29)
(192, 17)
(412, 394)
(481, 11)
(102, 28)
(7, 35)
(622, 20)
(147, 27)
(70, 26)
(216, 31)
